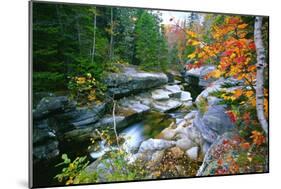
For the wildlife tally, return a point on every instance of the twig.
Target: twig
(114, 122)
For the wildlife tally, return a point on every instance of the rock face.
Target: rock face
(165, 106)
(200, 73)
(53, 105)
(53, 117)
(131, 81)
(45, 143)
(213, 123)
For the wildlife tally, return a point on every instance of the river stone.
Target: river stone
(168, 133)
(175, 90)
(185, 96)
(155, 145)
(165, 106)
(192, 153)
(156, 157)
(134, 105)
(185, 144)
(84, 116)
(53, 105)
(160, 94)
(213, 123)
(130, 81)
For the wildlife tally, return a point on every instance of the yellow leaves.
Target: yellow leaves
(242, 26)
(215, 74)
(251, 98)
(200, 55)
(92, 95)
(191, 56)
(257, 137)
(225, 97)
(70, 181)
(191, 34)
(193, 42)
(233, 55)
(80, 80)
(249, 93)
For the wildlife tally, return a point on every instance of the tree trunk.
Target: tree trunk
(111, 35)
(94, 38)
(261, 63)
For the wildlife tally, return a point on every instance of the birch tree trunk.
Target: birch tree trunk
(94, 38)
(261, 63)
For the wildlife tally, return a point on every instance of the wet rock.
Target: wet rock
(175, 90)
(160, 94)
(165, 106)
(45, 143)
(53, 105)
(185, 96)
(130, 81)
(86, 115)
(192, 153)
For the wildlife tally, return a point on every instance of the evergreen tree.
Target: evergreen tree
(150, 43)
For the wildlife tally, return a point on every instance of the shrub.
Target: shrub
(86, 89)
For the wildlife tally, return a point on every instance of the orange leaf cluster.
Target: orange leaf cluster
(258, 138)
(235, 52)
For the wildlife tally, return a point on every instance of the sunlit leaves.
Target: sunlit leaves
(258, 138)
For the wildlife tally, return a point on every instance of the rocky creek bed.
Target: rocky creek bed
(159, 119)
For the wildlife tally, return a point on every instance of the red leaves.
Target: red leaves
(240, 59)
(245, 146)
(227, 53)
(232, 116)
(252, 46)
(233, 20)
(239, 44)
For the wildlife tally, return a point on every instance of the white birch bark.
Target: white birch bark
(261, 63)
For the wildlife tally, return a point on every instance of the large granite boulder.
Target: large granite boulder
(130, 81)
(213, 123)
(53, 105)
(229, 147)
